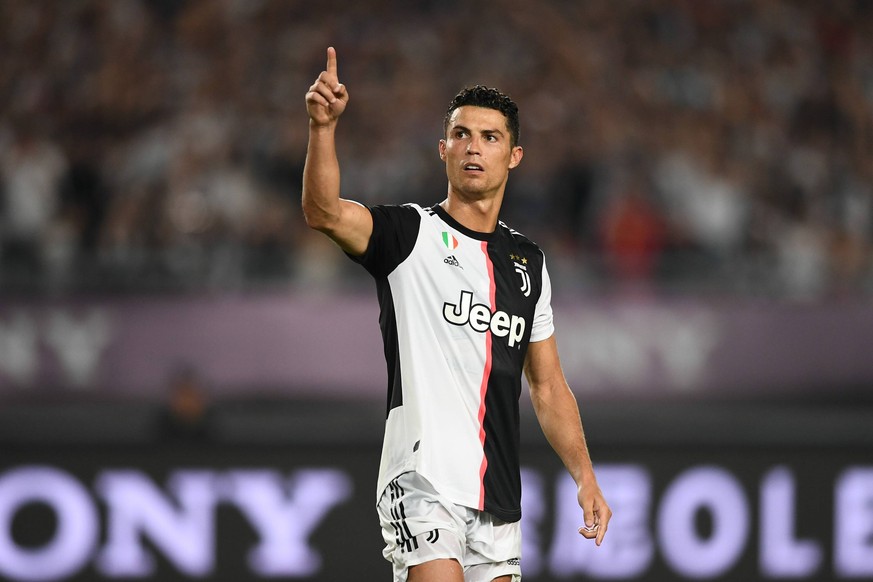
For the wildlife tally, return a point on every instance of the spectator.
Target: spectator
(187, 413)
(32, 167)
(746, 114)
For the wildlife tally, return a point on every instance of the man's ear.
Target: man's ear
(443, 149)
(515, 156)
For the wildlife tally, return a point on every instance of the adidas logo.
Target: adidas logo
(451, 260)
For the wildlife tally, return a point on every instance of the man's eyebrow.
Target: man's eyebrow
(484, 131)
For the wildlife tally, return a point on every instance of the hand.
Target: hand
(595, 512)
(327, 97)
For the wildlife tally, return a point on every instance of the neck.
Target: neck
(479, 215)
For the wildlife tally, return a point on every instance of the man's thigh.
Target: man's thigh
(444, 571)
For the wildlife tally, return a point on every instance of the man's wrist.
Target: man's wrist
(315, 127)
(585, 478)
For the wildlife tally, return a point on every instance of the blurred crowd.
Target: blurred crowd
(671, 146)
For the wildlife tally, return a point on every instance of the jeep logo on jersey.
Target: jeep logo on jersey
(480, 318)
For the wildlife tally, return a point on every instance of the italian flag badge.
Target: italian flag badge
(449, 240)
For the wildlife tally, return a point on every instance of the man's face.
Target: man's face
(477, 151)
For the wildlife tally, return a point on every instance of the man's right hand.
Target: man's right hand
(327, 97)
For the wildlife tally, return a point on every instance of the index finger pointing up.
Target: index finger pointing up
(331, 61)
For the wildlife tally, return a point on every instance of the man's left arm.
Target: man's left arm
(558, 415)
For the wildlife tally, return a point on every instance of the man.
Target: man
(465, 308)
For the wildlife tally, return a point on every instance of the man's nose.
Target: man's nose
(473, 146)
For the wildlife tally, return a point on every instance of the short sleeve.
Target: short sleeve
(543, 324)
(395, 230)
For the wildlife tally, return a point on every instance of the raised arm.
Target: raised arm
(346, 222)
(558, 415)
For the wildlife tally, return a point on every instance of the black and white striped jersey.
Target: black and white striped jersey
(458, 309)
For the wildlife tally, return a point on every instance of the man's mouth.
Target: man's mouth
(473, 168)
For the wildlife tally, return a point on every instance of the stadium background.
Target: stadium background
(191, 382)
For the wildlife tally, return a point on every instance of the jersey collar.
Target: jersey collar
(474, 234)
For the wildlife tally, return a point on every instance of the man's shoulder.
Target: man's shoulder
(519, 238)
(395, 234)
(408, 207)
(396, 214)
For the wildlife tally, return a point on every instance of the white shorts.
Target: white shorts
(420, 525)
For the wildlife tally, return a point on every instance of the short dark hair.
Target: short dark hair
(482, 96)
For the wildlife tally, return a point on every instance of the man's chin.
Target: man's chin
(474, 186)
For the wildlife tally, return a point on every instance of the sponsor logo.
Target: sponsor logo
(125, 518)
(479, 317)
(514, 562)
(451, 260)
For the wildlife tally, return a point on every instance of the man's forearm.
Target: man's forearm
(321, 178)
(558, 415)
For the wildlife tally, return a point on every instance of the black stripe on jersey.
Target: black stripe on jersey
(395, 230)
(390, 344)
(502, 479)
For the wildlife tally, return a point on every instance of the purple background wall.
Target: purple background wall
(319, 347)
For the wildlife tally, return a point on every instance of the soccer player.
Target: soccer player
(465, 310)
